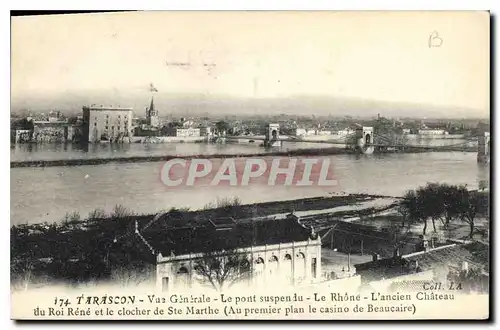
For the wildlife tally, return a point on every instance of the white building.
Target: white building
(184, 132)
(345, 132)
(299, 131)
(432, 132)
(277, 251)
(311, 131)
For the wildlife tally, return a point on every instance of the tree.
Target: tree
(433, 203)
(420, 211)
(23, 123)
(122, 218)
(444, 202)
(222, 267)
(72, 120)
(22, 272)
(222, 126)
(483, 184)
(132, 275)
(449, 196)
(226, 207)
(408, 208)
(468, 206)
(96, 214)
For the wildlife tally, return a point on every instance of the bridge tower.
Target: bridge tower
(483, 148)
(364, 140)
(272, 136)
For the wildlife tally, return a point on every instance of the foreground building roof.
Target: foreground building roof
(224, 233)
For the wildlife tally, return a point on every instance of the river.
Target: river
(25, 152)
(47, 194)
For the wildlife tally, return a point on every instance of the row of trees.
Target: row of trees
(442, 203)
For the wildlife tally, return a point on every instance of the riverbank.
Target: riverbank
(95, 248)
(104, 247)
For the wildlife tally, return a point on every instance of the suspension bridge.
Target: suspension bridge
(365, 140)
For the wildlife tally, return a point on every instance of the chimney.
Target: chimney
(397, 253)
(434, 241)
(375, 257)
(425, 245)
(465, 266)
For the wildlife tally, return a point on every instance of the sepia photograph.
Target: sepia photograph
(232, 165)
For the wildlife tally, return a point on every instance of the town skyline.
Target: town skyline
(198, 104)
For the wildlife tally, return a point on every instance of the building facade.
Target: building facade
(205, 131)
(277, 251)
(21, 135)
(183, 132)
(106, 123)
(432, 132)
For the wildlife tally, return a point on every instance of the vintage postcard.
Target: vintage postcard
(250, 165)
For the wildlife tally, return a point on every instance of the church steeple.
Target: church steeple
(152, 111)
(152, 114)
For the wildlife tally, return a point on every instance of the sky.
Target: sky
(256, 55)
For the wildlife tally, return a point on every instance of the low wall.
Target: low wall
(435, 137)
(167, 139)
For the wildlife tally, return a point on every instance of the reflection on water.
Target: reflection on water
(22, 152)
(46, 194)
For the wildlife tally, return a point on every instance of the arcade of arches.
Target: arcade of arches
(293, 263)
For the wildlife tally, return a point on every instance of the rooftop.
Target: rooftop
(453, 255)
(240, 234)
(101, 107)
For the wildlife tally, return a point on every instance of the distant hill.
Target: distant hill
(199, 104)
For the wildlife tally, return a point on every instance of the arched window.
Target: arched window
(183, 276)
(287, 268)
(259, 270)
(273, 266)
(273, 259)
(182, 271)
